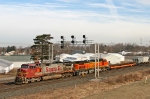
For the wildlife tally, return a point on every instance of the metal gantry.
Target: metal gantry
(74, 42)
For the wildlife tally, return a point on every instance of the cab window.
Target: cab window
(24, 66)
(32, 67)
(47, 64)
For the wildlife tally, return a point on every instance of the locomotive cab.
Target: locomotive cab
(28, 73)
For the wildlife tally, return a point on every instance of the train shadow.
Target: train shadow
(8, 83)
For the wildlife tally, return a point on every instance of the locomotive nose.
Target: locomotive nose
(22, 70)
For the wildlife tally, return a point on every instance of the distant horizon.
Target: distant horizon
(108, 44)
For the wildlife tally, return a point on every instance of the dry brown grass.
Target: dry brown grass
(100, 90)
(121, 79)
(135, 90)
(11, 73)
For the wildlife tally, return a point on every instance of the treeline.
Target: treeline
(69, 48)
(17, 50)
(112, 48)
(10, 48)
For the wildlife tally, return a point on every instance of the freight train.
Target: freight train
(35, 72)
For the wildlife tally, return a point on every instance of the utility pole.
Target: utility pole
(51, 53)
(97, 57)
(141, 44)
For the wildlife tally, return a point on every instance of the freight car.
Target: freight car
(141, 59)
(35, 72)
(122, 65)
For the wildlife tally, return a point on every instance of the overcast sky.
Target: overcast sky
(104, 21)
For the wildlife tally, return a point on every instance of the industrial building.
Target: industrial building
(5, 66)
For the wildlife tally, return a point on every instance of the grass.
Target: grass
(136, 90)
(128, 86)
(134, 87)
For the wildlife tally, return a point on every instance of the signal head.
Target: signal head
(62, 41)
(72, 36)
(72, 41)
(62, 37)
(84, 41)
(62, 46)
(84, 36)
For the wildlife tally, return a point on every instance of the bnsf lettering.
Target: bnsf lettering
(53, 69)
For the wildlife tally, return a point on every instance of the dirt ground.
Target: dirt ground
(11, 73)
(130, 86)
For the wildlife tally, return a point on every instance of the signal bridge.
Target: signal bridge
(74, 42)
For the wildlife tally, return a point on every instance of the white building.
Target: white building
(5, 66)
(124, 53)
(73, 57)
(61, 57)
(17, 60)
(114, 58)
(9, 53)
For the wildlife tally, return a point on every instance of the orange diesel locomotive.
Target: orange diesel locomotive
(85, 67)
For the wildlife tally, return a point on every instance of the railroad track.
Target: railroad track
(10, 86)
(10, 89)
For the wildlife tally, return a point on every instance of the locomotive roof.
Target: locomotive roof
(30, 64)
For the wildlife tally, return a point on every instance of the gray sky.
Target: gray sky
(104, 21)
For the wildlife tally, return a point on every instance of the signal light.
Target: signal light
(62, 46)
(62, 37)
(72, 41)
(72, 36)
(84, 36)
(62, 41)
(84, 41)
